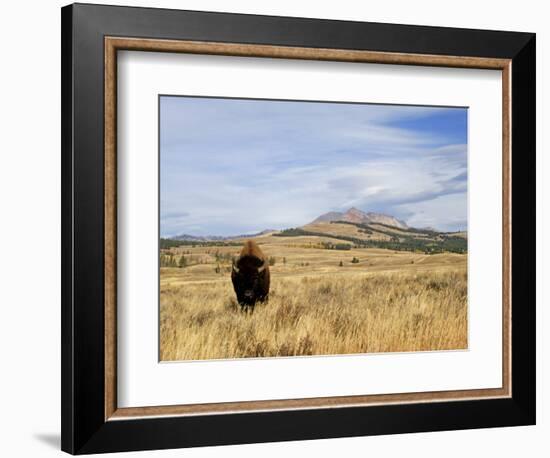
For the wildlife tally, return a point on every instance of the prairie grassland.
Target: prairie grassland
(386, 302)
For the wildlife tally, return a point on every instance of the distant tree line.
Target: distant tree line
(336, 246)
(442, 243)
(169, 260)
(412, 230)
(171, 243)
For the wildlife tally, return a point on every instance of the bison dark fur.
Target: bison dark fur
(250, 275)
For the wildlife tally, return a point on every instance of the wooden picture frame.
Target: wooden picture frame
(91, 420)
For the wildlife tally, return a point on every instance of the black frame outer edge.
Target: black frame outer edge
(67, 413)
(83, 427)
(524, 238)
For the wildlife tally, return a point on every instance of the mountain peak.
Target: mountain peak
(354, 215)
(355, 211)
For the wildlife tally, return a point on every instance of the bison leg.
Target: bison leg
(247, 308)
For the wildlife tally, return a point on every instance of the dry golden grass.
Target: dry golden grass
(389, 302)
(299, 256)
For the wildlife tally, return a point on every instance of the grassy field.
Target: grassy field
(321, 303)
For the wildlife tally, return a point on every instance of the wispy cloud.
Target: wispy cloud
(235, 166)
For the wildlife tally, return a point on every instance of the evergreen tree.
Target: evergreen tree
(183, 262)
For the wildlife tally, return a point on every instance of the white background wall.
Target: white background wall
(30, 226)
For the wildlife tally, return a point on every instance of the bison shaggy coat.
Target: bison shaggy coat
(250, 275)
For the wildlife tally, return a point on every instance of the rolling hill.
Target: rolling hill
(345, 230)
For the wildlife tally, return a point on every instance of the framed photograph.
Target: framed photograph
(284, 228)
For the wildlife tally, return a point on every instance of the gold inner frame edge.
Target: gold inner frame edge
(114, 44)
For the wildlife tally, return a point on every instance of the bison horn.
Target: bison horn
(262, 267)
(235, 268)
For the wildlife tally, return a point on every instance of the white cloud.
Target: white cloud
(230, 166)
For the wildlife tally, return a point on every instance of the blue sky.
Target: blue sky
(234, 166)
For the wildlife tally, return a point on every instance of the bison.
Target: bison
(250, 275)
